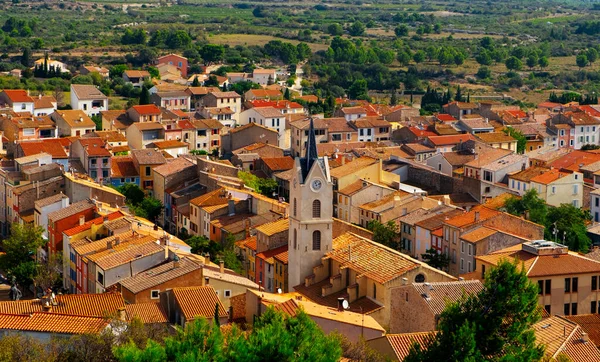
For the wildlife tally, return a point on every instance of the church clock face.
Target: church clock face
(316, 185)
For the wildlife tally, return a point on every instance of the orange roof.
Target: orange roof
(402, 343)
(282, 257)
(52, 323)
(216, 197)
(18, 95)
(468, 218)
(421, 132)
(590, 324)
(279, 163)
(274, 227)
(283, 104)
(574, 160)
(268, 255)
(198, 302)
(590, 110)
(94, 147)
(147, 109)
(44, 146)
(250, 243)
(450, 140)
(97, 221)
(445, 117)
(549, 105)
(123, 166)
(90, 305)
(169, 144)
(265, 93)
(147, 312)
(561, 336)
(548, 177)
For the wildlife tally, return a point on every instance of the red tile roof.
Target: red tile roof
(517, 113)
(590, 110)
(422, 133)
(573, 160)
(18, 95)
(44, 146)
(52, 323)
(97, 221)
(451, 139)
(123, 166)
(469, 217)
(402, 343)
(147, 109)
(284, 104)
(198, 302)
(147, 312)
(445, 117)
(279, 163)
(90, 305)
(95, 147)
(548, 177)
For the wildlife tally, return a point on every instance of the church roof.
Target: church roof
(311, 156)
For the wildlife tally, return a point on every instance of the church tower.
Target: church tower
(311, 210)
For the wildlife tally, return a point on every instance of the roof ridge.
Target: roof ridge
(567, 339)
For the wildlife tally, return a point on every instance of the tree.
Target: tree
(529, 203)
(543, 62)
(419, 56)
(592, 55)
(386, 234)
(435, 259)
(401, 30)
(286, 94)
(150, 208)
(566, 224)
(581, 60)
(520, 137)
(513, 63)
(216, 317)
(357, 28)
(492, 325)
(532, 60)
(483, 72)
(393, 98)
(359, 90)
(335, 29)
(212, 53)
(97, 119)
(484, 57)
(59, 96)
(26, 57)
(458, 97)
(274, 337)
(403, 57)
(263, 186)
(144, 96)
(22, 244)
(116, 71)
(132, 192)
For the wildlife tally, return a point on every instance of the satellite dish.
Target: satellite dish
(279, 291)
(345, 304)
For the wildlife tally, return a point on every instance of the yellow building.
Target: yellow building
(568, 282)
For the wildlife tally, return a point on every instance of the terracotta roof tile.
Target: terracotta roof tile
(147, 109)
(562, 336)
(122, 166)
(52, 323)
(266, 93)
(440, 294)
(478, 234)
(352, 167)
(177, 165)
(97, 221)
(131, 73)
(90, 305)
(43, 146)
(50, 200)
(528, 174)
(250, 243)
(590, 323)
(548, 177)
(147, 312)
(18, 95)
(422, 133)
(71, 210)
(268, 255)
(158, 275)
(74, 118)
(87, 92)
(279, 163)
(148, 157)
(198, 302)
(314, 294)
(468, 218)
(495, 137)
(402, 343)
(124, 253)
(274, 227)
(94, 147)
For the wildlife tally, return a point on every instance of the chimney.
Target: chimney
(109, 244)
(122, 314)
(176, 262)
(230, 207)
(117, 241)
(81, 219)
(105, 218)
(404, 281)
(221, 266)
(47, 307)
(207, 258)
(206, 280)
(428, 288)
(476, 216)
(584, 337)
(340, 304)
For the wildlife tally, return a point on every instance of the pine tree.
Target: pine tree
(26, 57)
(469, 97)
(393, 98)
(217, 315)
(287, 95)
(458, 96)
(144, 96)
(196, 82)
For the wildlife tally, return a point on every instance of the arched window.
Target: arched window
(295, 206)
(316, 240)
(420, 278)
(316, 209)
(295, 239)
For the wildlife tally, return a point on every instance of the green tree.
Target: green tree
(132, 192)
(531, 204)
(22, 244)
(393, 98)
(357, 28)
(483, 72)
(543, 62)
(532, 60)
(261, 185)
(26, 57)
(274, 337)
(435, 259)
(116, 71)
(144, 95)
(386, 234)
(492, 325)
(581, 60)
(335, 29)
(484, 57)
(403, 57)
(592, 55)
(359, 90)
(150, 208)
(419, 56)
(97, 118)
(286, 94)
(212, 53)
(566, 224)
(513, 63)
(516, 134)
(401, 30)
